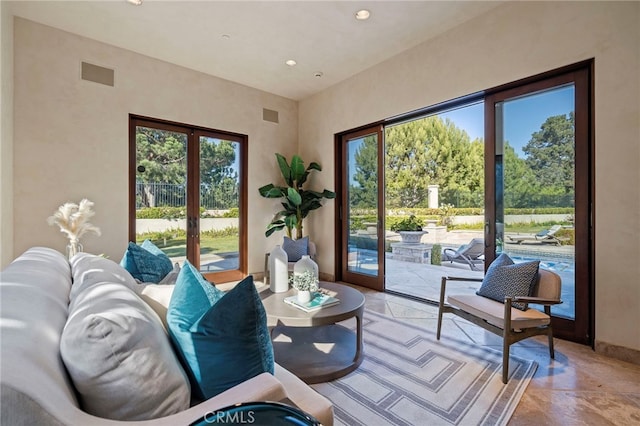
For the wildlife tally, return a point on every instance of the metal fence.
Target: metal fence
(158, 194)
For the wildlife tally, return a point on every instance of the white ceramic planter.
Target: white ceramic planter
(278, 270)
(411, 237)
(304, 296)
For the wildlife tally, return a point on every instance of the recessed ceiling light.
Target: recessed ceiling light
(363, 15)
(134, 2)
(291, 63)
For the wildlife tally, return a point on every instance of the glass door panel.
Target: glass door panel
(535, 184)
(188, 195)
(362, 175)
(434, 170)
(160, 190)
(362, 246)
(219, 236)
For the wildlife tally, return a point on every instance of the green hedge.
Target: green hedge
(178, 233)
(179, 213)
(161, 213)
(567, 236)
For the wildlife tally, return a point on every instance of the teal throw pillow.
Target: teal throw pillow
(222, 338)
(506, 278)
(295, 249)
(146, 262)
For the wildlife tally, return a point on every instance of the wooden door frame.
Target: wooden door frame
(341, 227)
(193, 191)
(581, 75)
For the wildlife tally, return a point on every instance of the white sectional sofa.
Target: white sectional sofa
(36, 388)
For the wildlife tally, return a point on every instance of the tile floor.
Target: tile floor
(579, 387)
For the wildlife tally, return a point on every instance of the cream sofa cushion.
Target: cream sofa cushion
(89, 269)
(118, 355)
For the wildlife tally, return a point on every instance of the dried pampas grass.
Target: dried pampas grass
(73, 220)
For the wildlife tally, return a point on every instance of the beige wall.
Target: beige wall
(513, 41)
(71, 135)
(6, 135)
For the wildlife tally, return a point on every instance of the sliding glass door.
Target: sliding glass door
(508, 170)
(361, 215)
(538, 174)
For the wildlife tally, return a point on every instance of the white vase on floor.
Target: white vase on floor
(278, 270)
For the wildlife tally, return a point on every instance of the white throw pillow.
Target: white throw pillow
(119, 357)
(158, 298)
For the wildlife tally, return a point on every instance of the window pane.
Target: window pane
(434, 170)
(537, 177)
(161, 196)
(219, 204)
(362, 214)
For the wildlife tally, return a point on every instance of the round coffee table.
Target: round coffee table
(310, 344)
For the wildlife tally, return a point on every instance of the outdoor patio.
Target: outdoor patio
(423, 280)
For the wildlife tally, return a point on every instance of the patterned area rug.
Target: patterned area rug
(409, 378)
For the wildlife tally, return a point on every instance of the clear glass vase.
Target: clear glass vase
(305, 264)
(73, 248)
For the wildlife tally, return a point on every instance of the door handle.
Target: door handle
(192, 225)
(487, 234)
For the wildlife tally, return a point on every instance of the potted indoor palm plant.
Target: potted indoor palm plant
(297, 202)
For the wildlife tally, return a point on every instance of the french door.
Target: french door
(361, 242)
(558, 174)
(187, 195)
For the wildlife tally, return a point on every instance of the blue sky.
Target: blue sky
(522, 117)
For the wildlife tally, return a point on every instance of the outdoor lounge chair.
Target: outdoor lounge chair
(544, 236)
(470, 254)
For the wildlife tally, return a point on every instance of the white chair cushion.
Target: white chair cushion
(493, 312)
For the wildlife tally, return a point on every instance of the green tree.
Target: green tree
(409, 169)
(218, 179)
(551, 154)
(430, 151)
(161, 158)
(363, 192)
(520, 183)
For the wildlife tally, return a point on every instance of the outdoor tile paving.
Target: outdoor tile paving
(423, 280)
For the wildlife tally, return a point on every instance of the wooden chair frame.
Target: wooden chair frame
(509, 334)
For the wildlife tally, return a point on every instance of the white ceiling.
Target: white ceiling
(322, 36)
